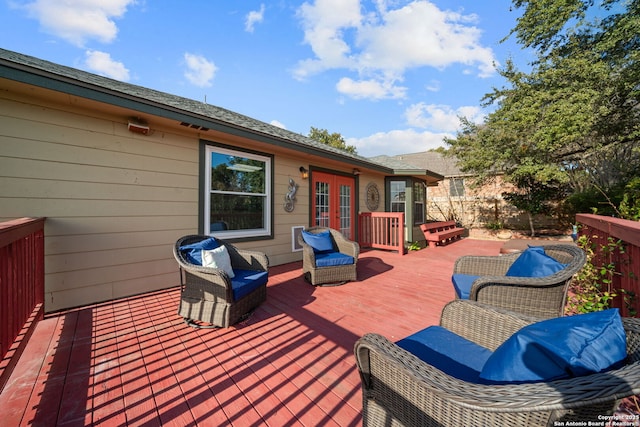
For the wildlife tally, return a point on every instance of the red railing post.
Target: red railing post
(382, 230)
(21, 287)
(599, 229)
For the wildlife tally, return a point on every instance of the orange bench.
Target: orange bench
(441, 232)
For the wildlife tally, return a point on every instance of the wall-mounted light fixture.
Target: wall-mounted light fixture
(356, 171)
(138, 126)
(304, 173)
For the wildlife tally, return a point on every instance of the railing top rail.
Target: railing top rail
(623, 229)
(16, 229)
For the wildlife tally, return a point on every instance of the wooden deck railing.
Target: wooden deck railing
(382, 230)
(21, 287)
(599, 229)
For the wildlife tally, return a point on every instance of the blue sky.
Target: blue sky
(391, 76)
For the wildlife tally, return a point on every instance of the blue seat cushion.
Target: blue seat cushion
(462, 284)
(332, 259)
(320, 242)
(450, 353)
(534, 262)
(563, 347)
(193, 252)
(246, 281)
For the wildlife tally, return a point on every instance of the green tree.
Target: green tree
(333, 139)
(535, 191)
(575, 115)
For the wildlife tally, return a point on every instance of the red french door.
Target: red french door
(333, 202)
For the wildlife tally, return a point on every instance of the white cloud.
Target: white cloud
(324, 23)
(397, 142)
(101, 63)
(372, 89)
(420, 34)
(435, 122)
(200, 71)
(441, 117)
(254, 17)
(433, 86)
(383, 44)
(79, 20)
(278, 124)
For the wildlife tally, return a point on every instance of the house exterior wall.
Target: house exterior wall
(479, 207)
(116, 201)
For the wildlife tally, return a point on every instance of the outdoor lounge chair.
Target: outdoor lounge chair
(328, 257)
(208, 293)
(497, 280)
(398, 388)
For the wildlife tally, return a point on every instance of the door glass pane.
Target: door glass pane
(345, 211)
(322, 204)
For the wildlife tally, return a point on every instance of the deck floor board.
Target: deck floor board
(134, 362)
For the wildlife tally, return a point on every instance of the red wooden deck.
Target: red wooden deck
(133, 362)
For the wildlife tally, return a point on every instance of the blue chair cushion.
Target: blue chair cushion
(450, 353)
(193, 252)
(558, 348)
(332, 259)
(320, 242)
(534, 262)
(246, 281)
(462, 284)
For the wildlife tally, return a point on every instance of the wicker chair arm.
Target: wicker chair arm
(509, 283)
(483, 324)
(247, 259)
(484, 265)
(308, 253)
(348, 247)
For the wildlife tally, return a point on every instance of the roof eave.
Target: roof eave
(48, 80)
(418, 172)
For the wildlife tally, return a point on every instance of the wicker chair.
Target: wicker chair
(543, 297)
(334, 275)
(400, 389)
(206, 293)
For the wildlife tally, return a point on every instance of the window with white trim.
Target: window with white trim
(237, 199)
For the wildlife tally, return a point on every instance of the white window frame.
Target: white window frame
(233, 234)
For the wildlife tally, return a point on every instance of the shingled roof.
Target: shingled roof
(35, 71)
(434, 161)
(398, 164)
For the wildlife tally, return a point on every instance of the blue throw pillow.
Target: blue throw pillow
(450, 353)
(193, 252)
(320, 242)
(534, 262)
(563, 347)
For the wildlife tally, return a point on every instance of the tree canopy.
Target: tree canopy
(574, 118)
(333, 139)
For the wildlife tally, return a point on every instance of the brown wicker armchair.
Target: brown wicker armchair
(542, 297)
(400, 389)
(207, 294)
(330, 275)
